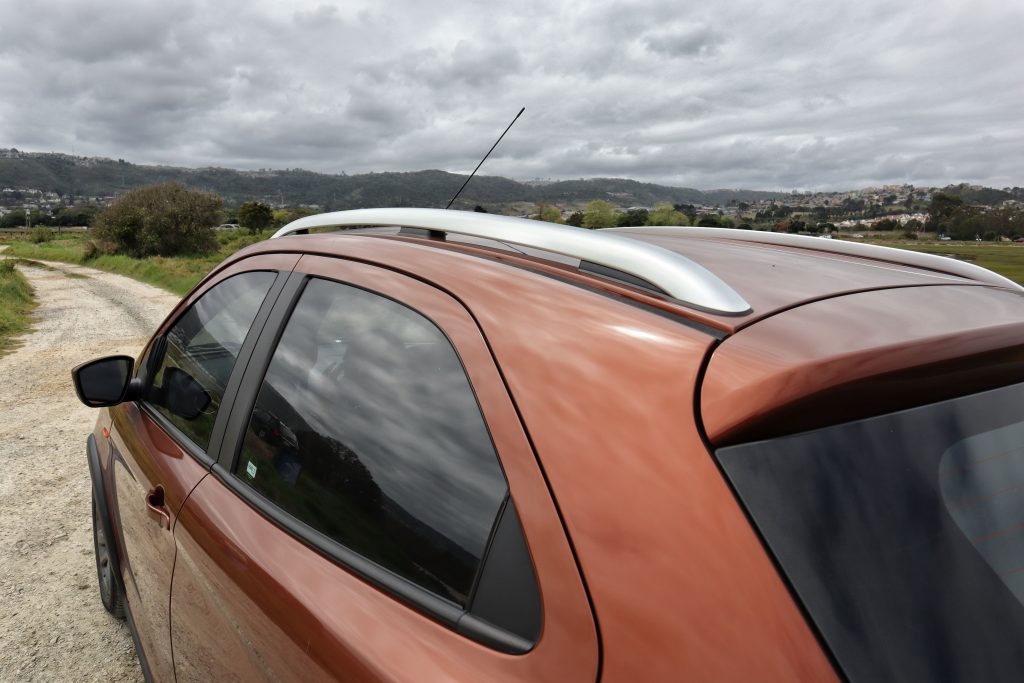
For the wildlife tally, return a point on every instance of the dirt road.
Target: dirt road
(52, 625)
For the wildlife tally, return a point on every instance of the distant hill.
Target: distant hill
(100, 177)
(973, 194)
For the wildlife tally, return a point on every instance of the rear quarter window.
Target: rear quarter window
(366, 429)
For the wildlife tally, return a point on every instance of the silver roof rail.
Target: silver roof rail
(916, 259)
(676, 275)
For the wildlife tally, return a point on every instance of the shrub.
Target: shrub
(39, 235)
(160, 220)
(255, 216)
(7, 266)
(93, 248)
(910, 235)
(666, 214)
(598, 214)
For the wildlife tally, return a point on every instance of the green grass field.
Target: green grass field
(16, 304)
(176, 274)
(1004, 258)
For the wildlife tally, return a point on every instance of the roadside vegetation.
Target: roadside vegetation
(158, 234)
(177, 274)
(16, 304)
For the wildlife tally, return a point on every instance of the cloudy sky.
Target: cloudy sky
(768, 94)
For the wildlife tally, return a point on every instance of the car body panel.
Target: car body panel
(899, 348)
(669, 606)
(145, 457)
(252, 602)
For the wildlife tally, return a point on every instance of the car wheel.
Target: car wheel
(110, 591)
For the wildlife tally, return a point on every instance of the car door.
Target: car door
(159, 444)
(376, 512)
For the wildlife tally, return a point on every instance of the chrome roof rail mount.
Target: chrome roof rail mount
(674, 274)
(915, 259)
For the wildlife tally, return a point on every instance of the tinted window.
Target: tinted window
(201, 350)
(367, 430)
(903, 535)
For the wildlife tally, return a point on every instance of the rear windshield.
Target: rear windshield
(903, 535)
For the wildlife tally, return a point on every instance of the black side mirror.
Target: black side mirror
(103, 382)
(181, 394)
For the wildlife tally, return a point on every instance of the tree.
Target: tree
(284, 216)
(941, 210)
(255, 217)
(39, 217)
(575, 218)
(598, 214)
(80, 214)
(632, 218)
(666, 214)
(546, 213)
(14, 219)
(160, 220)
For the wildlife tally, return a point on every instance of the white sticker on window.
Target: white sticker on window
(250, 469)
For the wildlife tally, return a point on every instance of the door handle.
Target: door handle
(156, 507)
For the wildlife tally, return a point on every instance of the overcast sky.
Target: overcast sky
(766, 94)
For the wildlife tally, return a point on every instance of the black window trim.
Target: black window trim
(159, 348)
(459, 619)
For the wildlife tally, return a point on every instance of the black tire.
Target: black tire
(110, 592)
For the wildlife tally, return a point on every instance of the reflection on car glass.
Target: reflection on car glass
(982, 484)
(367, 430)
(203, 345)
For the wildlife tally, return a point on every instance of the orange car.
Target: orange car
(460, 447)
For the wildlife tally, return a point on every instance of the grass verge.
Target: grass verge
(16, 303)
(177, 274)
(1005, 259)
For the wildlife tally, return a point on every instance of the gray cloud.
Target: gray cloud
(695, 40)
(801, 94)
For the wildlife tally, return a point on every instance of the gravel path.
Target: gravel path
(52, 625)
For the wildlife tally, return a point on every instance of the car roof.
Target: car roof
(778, 277)
(723, 278)
(771, 277)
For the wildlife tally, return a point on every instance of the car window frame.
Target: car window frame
(376, 280)
(153, 355)
(351, 555)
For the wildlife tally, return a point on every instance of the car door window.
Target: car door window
(200, 353)
(367, 430)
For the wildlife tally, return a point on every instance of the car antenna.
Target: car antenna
(484, 159)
